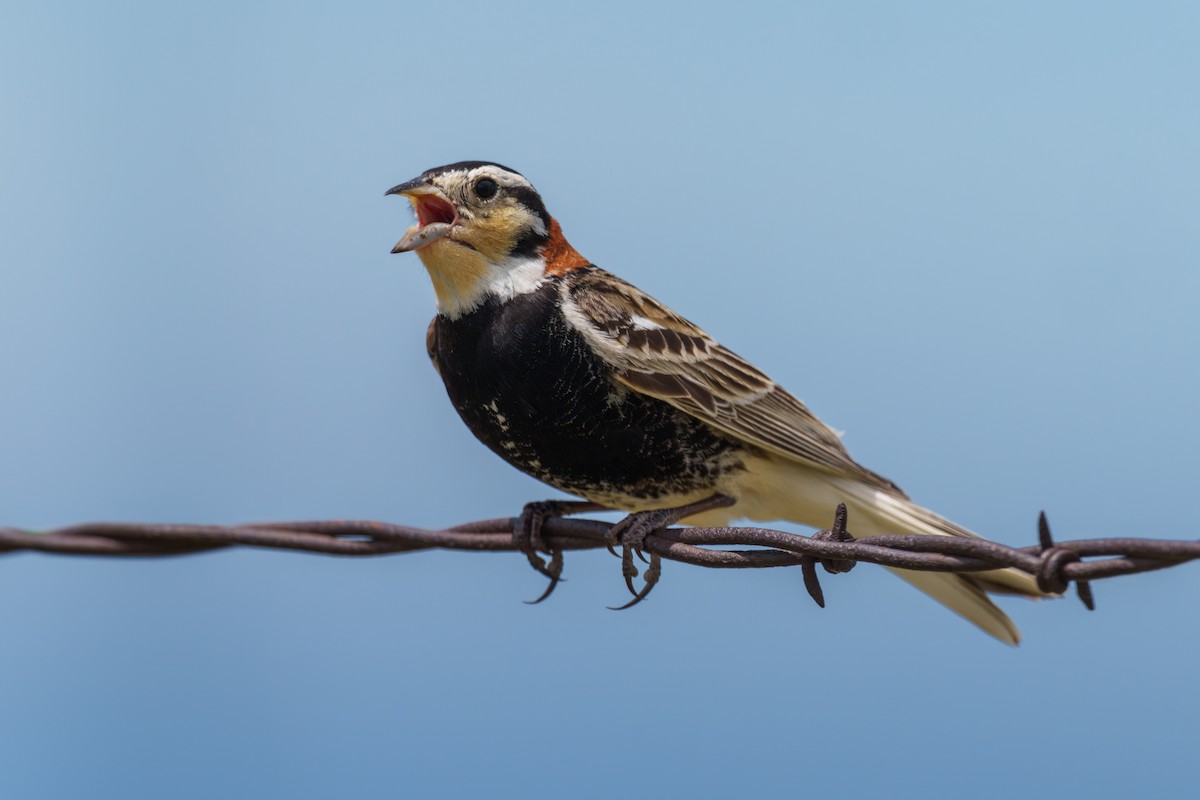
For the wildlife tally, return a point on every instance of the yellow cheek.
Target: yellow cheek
(495, 235)
(460, 272)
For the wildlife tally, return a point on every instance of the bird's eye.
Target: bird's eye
(486, 188)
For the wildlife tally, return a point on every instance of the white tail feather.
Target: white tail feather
(773, 489)
(874, 513)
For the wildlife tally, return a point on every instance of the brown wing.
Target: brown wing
(656, 352)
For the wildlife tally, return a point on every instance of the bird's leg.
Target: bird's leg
(527, 536)
(631, 534)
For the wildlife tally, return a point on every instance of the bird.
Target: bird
(588, 384)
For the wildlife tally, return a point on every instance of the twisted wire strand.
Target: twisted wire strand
(1056, 565)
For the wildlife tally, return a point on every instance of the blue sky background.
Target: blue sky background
(966, 235)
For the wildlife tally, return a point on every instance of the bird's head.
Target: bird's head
(482, 230)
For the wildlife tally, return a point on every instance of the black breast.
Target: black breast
(526, 384)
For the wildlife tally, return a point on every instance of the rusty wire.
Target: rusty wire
(1055, 565)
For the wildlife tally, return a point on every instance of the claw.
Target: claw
(653, 572)
(629, 570)
(554, 573)
(527, 537)
(539, 565)
(631, 532)
(613, 538)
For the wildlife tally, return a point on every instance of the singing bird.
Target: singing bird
(583, 381)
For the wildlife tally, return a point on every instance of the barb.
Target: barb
(1055, 565)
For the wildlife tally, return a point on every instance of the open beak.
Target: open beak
(435, 214)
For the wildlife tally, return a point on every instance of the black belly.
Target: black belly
(528, 387)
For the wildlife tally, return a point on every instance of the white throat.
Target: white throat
(459, 293)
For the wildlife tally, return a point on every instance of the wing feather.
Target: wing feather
(656, 352)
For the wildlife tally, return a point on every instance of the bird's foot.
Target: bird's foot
(527, 537)
(631, 532)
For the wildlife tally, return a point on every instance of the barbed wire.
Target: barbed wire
(1055, 565)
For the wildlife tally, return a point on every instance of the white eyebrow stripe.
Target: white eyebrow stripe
(501, 176)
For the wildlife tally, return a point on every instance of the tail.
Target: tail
(773, 489)
(874, 512)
